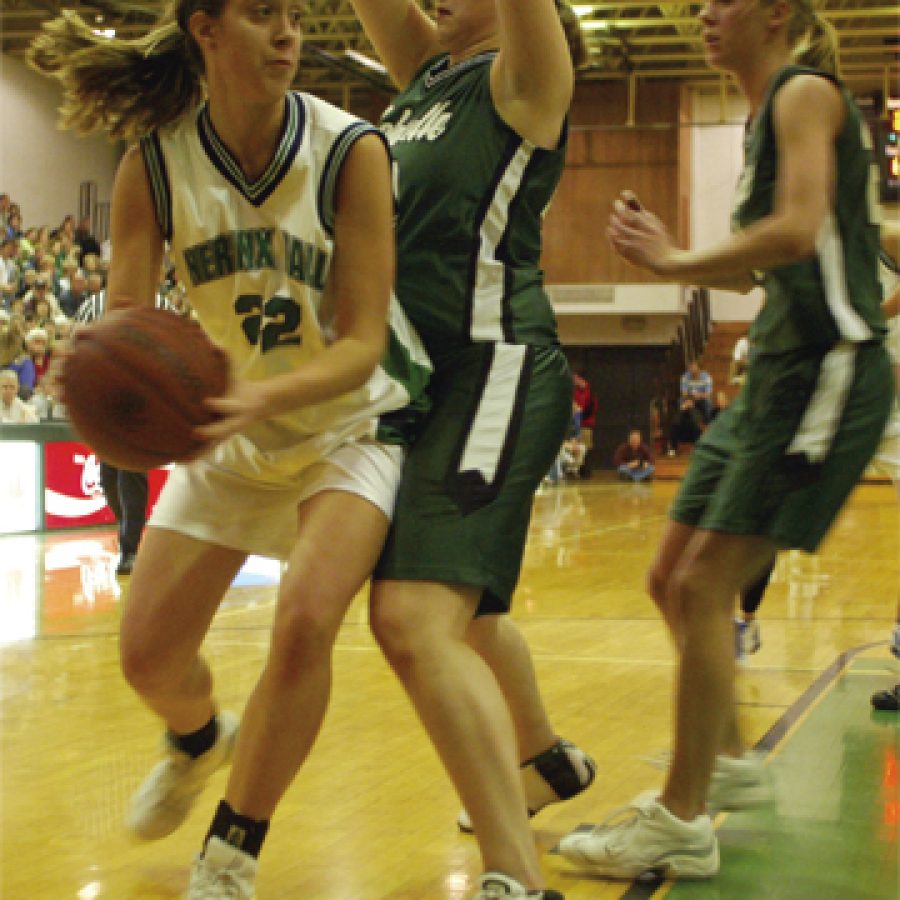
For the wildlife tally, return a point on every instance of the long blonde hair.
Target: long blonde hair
(123, 87)
(813, 39)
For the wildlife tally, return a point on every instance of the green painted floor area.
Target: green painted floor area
(832, 833)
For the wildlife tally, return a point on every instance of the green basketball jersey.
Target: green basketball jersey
(471, 197)
(834, 295)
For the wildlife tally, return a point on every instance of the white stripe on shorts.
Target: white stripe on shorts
(487, 436)
(823, 415)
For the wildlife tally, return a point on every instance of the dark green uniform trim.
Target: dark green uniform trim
(158, 177)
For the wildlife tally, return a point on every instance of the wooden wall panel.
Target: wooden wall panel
(575, 247)
(605, 157)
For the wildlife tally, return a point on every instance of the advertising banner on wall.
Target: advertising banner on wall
(73, 495)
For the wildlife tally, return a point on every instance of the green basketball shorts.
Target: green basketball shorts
(499, 416)
(781, 461)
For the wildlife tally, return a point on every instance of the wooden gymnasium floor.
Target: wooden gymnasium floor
(372, 817)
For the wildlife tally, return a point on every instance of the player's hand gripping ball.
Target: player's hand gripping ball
(134, 385)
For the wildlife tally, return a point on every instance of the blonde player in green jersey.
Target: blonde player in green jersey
(775, 468)
(277, 210)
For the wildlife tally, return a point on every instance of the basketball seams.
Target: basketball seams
(171, 370)
(99, 433)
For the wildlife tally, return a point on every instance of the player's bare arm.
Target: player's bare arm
(532, 77)
(808, 114)
(403, 36)
(136, 239)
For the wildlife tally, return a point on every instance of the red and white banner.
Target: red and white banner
(73, 495)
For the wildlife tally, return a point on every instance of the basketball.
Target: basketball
(135, 383)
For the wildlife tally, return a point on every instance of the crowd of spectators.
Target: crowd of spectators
(46, 275)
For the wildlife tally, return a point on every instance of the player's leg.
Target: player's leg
(421, 627)
(285, 711)
(351, 494)
(499, 416)
(109, 480)
(672, 831)
(713, 569)
(747, 639)
(739, 779)
(177, 585)
(552, 769)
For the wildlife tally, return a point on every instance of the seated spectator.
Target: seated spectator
(586, 401)
(12, 409)
(63, 325)
(12, 337)
(90, 262)
(697, 387)
(85, 239)
(32, 365)
(572, 456)
(687, 425)
(42, 314)
(68, 266)
(94, 283)
(66, 230)
(41, 291)
(14, 225)
(26, 283)
(48, 269)
(9, 268)
(26, 245)
(75, 295)
(634, 459)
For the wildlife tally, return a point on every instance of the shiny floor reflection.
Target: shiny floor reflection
(371, 816)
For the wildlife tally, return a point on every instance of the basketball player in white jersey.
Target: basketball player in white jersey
(277, 211)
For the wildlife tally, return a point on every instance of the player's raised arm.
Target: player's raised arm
(403, 36)
(135, 236)
(532, 78)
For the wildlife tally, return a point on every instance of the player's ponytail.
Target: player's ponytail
(813, 41)
(816, 43)
(123, 87)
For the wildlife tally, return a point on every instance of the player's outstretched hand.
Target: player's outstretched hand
(637, 235)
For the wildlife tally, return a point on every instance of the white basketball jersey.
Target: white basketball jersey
(255, 258)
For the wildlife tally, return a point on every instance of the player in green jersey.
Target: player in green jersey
(774, 469)
(478, 136)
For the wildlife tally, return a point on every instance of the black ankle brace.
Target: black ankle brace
(557, 770)
(197, 742)
(240, 831)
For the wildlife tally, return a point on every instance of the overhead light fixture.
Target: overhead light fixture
(104, 32)
(583, 9)
(595, 25)
(366, 61)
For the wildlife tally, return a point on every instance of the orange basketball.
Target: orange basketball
(134, 385)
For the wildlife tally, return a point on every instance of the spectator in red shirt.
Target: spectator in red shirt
(585, 413)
